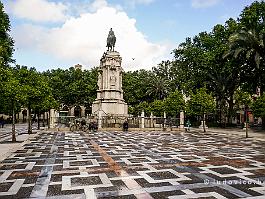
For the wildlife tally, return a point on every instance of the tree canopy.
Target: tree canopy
(6, 42)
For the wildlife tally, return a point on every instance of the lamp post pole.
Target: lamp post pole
(247, 124)
(204, 130)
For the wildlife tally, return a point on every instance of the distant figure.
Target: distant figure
(2, 122)
(188, 124)
(111, 40)
(125, 126)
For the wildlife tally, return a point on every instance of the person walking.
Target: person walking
(125, 126)
(2, 122)
(188, 124)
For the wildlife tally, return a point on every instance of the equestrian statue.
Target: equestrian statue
(111, 40)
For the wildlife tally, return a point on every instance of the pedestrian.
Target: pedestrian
(125, 125)
(2, 122)
(188, 124)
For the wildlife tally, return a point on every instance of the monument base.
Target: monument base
(109, 107)
(109, 101)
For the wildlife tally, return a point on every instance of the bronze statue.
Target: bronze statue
(111, 40)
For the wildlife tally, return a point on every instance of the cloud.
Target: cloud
(83, 39)
(28, 36)
(203, 3)
(142, 1)
(38, 10)
(133, 3)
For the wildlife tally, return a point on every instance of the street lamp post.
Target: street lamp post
(247, 123)
(246, 120)
(204, 130)
(13, 122)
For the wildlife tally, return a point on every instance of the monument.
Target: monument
(109, 99)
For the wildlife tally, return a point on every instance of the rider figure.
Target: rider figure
(111, 33)
(111, 40)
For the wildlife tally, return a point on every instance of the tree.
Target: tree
(259, 108)
(11, 95)
(200, 62)
(201, 103)
(135, 87)
(73, 87)
(242, 99)
(45, 105)
(6, 42)
(166, 71)
(143, 106)
(188, 65)
(157, 107)
(174, 103)
(35, 89)
(248, 41)
(248, 44)
(158, 87)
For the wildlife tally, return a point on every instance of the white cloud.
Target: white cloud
(29, 36)
(204, 3)
(83, 39)
(38, 10)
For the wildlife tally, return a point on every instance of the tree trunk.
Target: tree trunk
(230, 110)
(49, 118)
(29, 121)
(222, 113)
(38, 120)
(43, 120)
(13, 124)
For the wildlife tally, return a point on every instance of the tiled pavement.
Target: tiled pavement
(61, 165)
(6, 132)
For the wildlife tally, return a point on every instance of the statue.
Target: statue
(111, 40)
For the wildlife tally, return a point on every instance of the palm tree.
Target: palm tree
(249, 43)
(158, 87)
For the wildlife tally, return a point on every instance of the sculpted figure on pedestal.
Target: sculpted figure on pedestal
(111, 40)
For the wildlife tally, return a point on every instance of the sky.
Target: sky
(52, 34)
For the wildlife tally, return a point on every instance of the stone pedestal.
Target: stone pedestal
(52, 118)
(142, 120)
(110, 94)
(181, 122)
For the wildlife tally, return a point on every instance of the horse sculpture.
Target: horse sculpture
(111, 40)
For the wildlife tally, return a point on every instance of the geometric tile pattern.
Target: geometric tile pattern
(59, 165)
(6, 132)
